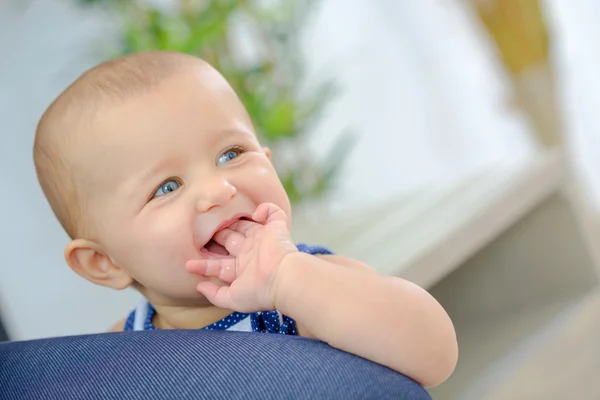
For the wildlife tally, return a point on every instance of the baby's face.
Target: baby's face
(169, 167)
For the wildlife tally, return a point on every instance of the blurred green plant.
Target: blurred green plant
(271, 85)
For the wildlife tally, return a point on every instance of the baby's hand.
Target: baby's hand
(256, 251)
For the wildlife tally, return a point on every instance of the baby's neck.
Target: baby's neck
(187, 317)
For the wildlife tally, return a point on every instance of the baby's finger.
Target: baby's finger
(220, 296)
(231, 240)
(267, 212)
(244, 227)
(220, 268)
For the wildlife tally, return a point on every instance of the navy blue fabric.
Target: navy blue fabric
(314, 250)
(193, 364)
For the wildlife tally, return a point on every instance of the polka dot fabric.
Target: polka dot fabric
(267, 322)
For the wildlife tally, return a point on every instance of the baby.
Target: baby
(152, 166)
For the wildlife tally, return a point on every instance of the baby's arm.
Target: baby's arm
(337, 300)
(118, 327)
(385, 319)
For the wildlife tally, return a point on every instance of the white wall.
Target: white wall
(577, 59)
(420, 87)
(42, 47)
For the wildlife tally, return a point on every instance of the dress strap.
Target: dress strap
(314, 250)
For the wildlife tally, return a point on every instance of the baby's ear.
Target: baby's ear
(267, 152)
(87, 259)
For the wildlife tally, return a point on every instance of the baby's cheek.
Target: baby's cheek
(162, 240)
(163, 265)
(270, 190)
(169, 246)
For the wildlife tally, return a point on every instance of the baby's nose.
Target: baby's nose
(216, 192)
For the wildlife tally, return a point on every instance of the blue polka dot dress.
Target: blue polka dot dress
(140, 319)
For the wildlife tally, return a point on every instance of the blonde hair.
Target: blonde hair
(65, 121)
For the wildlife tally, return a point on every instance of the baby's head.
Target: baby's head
(141, 159)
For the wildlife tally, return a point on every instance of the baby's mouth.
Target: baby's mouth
(215, 248)
(212, 249)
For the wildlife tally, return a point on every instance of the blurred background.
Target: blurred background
(453, 143)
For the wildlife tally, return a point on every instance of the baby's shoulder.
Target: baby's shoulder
(118, 327)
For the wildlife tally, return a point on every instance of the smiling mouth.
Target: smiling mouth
(212, 249)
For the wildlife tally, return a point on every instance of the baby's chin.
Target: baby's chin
(189, 298)
(182, 293)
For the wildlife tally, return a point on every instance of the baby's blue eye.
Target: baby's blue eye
(228, 156)
(169, 186)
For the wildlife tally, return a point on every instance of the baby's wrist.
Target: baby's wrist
(287, 276)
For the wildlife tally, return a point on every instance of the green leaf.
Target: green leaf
(279, 119)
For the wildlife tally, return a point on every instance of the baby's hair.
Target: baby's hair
(66, 118)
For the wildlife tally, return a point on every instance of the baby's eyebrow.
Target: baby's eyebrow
(235, 131)
(144, 180)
